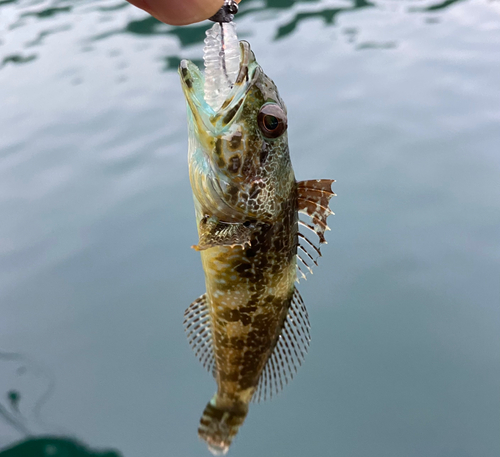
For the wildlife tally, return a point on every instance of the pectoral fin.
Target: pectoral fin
(216, 233)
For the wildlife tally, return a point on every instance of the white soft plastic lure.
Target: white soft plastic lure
(222, 63)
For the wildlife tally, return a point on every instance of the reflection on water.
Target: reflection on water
(303, 11)
(17, 59)
(25, 387)
(328, 14)
(438, 6)
(48, 12)
(53, 446)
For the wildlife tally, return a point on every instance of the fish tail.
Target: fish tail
(218, 426)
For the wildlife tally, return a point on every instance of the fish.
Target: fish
(250, 328)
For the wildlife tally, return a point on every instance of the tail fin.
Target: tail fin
(218, 426)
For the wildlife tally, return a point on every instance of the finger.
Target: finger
(179, 12)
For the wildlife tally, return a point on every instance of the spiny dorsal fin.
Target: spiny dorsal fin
(199, 332)
(314, 198)
(289, 352)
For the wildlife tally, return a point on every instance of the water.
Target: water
(398, 101)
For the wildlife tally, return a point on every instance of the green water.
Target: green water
(397, 100)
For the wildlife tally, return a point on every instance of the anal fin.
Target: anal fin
(199, 332)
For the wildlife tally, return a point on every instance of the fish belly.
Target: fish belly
(249, 292)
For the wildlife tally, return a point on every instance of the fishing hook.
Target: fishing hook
(226, 13)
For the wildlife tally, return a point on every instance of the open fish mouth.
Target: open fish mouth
(193, 85)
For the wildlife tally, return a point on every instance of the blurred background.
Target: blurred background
(399, 101)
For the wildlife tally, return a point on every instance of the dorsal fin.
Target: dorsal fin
(289, 352)
(314, 198)
(199, 332)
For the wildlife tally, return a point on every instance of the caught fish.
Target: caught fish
(250, 328)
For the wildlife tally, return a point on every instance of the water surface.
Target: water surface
(397, 100)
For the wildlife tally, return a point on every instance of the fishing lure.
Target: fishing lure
(250, 328)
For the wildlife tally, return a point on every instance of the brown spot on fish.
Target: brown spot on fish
(226, 103)
(232, 190)
(243, 267)
(247, 382)
(253, 339)
(247, 166)
(230, 377)
(231, 113)
(277, 302)
(187, 79)
(235, 141)
(245, 319)
(263, 154)
(230, 315)
(278, 244)
(223, 340)
(262, 320)
(236, 342)
(250, 306)
(234, 164)
(218, 147)
(232, 193)
(221, 163)
(255, 190)
(243, 75)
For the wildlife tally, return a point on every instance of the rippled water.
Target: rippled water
(397, 100)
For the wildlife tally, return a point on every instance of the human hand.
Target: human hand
(180, 12)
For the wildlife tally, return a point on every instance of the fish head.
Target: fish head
(239, 161)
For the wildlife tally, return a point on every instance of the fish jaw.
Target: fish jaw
(204, 116)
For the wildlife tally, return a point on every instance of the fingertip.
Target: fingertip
(179, 12)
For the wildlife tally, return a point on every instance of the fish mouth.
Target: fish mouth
(193, 87)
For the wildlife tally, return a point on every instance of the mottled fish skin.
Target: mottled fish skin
(246, 202)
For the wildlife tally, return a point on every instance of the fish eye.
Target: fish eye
(272, 120)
